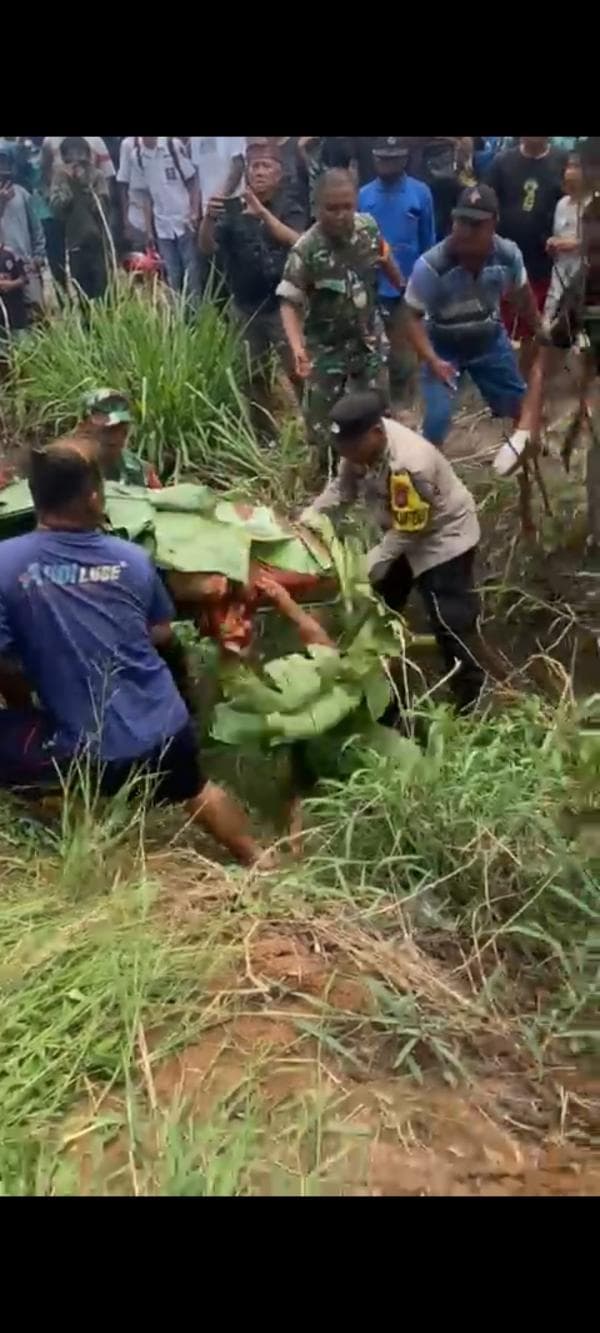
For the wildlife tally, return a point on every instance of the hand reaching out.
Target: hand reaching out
(273, 591)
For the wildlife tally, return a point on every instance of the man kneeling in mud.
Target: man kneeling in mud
(81, 617)
(431, 530)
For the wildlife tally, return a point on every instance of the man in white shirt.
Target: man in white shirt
(165, 181)
(132, 201)
(219, 162)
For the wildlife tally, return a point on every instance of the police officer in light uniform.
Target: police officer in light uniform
(429, 524)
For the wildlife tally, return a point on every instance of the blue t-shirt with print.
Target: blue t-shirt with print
(76, 609)
(404, 211)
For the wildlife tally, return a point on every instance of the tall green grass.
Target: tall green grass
(484, 845)
(181, 373)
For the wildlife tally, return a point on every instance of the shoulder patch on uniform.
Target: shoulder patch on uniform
(410, 512)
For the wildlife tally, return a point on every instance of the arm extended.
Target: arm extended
(309, 628)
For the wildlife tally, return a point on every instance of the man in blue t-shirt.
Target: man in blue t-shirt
(81, 617)
(454, 313)
(403, 208)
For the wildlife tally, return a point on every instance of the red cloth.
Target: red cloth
(515, 324)
(229, 622)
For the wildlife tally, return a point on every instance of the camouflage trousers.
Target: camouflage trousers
(329, 380)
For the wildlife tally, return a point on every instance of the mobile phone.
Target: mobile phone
(232, 206)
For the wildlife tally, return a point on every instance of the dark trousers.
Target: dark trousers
(452, 605)
(88, 269)
(56, 252)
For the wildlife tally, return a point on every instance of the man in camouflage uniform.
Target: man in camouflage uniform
(107, 418)
(329, 304)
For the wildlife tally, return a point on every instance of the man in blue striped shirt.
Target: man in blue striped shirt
(403, 208)
(453, 299)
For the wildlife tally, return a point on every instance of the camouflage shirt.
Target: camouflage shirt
(337, 286)
(132, 471)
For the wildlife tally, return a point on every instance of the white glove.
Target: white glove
(510, 455)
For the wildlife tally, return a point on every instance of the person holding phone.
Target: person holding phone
(250, 238)
(21, 230)
(219, 163)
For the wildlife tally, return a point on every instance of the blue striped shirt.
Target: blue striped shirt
(459, 305)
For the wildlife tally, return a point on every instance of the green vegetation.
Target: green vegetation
(147, 1038)
(182, 376)
(411, 1005)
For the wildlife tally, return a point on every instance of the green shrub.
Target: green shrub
(181, 374)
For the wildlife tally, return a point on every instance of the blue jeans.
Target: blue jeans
(496, 374)
(180, 257)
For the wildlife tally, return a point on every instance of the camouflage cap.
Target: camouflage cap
(109, 403)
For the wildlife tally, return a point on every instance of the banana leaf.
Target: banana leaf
(248, 693)
(15, 499)
(233, 727)
(129, 512)
(297, 678)
(190, 543)
(293, 555)
(321, 715)
(378, 692)
(328, 661)
(188, 529)
(186, 498)
(258, 520)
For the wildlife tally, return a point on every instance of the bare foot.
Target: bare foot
(268, 859)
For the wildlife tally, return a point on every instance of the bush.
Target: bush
(481, 843)
(181, 375)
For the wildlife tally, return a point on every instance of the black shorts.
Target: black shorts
(175, 766)
(26, 760)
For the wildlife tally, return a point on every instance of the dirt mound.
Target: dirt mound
(273, 1058)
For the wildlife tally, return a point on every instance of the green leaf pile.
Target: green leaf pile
(301, 696)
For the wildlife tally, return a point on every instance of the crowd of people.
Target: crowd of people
(355, 264)
(328, 251)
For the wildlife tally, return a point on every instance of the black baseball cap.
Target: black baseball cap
(354, 415)
(477, 203)
(390, 148)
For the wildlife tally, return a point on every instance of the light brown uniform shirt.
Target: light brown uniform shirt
(415, 496)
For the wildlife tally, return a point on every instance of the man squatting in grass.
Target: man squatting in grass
(81, 617)
(430, 525)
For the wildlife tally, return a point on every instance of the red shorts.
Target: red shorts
(515, 324)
